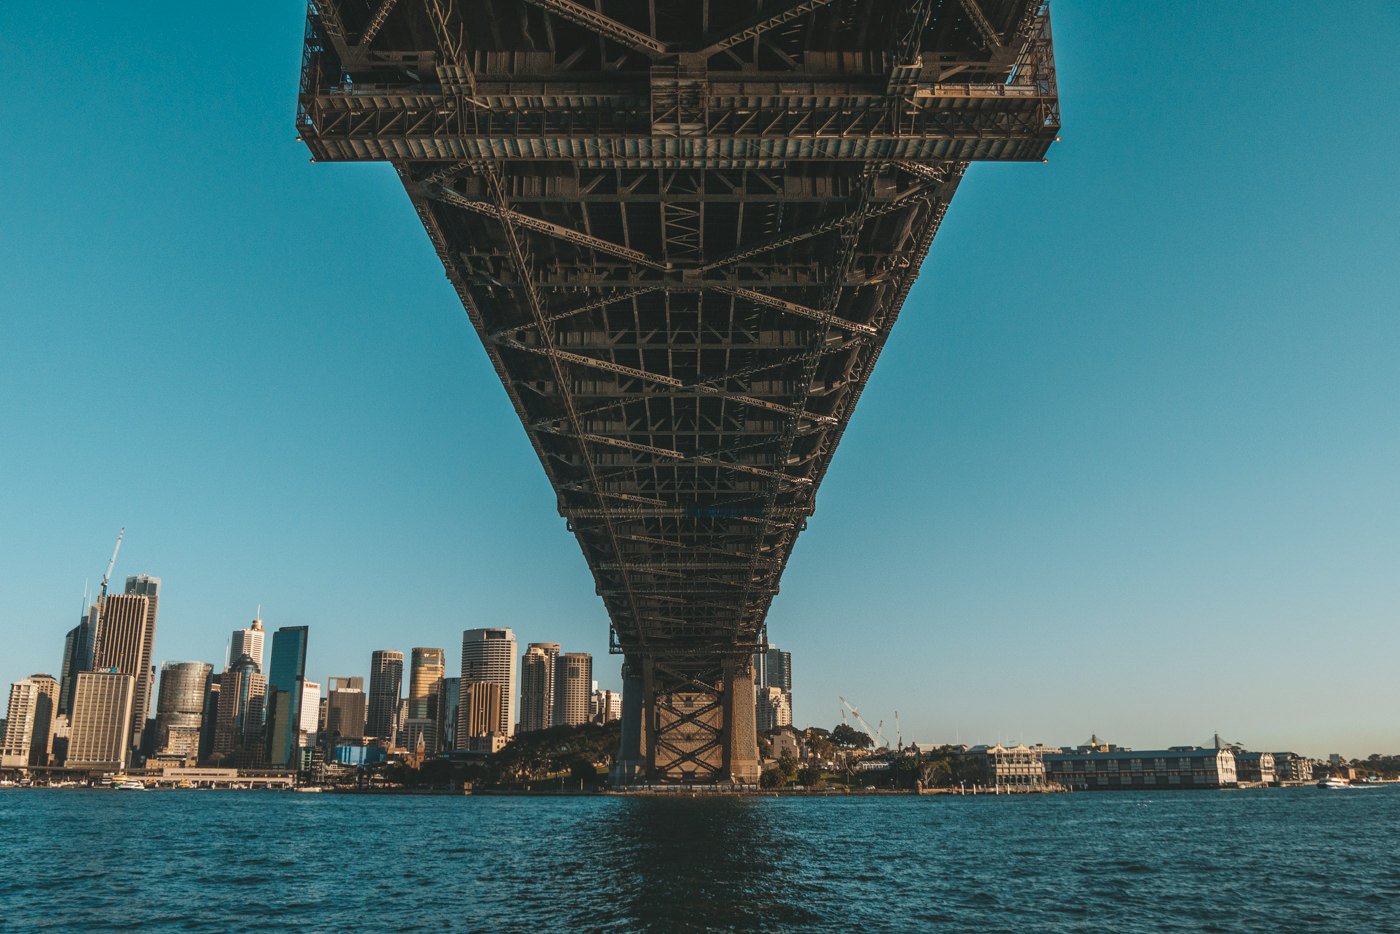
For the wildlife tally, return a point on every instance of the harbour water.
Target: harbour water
(1258, 860)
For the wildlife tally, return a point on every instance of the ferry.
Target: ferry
(1334, 782)
(131, 785)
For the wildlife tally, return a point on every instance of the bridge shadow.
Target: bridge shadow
(699, 864)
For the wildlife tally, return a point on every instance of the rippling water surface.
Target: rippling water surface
(1265, 860)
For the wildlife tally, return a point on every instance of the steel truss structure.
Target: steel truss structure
(683, 230)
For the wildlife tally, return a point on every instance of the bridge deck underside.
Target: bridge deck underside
(683, 231)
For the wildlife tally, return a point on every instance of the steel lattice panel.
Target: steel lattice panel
(683, 231)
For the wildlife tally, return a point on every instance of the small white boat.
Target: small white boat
(132, 785)
(1334, 782)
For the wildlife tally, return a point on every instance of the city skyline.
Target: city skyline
(1137, 446)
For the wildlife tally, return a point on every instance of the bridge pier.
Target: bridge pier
(687, 724)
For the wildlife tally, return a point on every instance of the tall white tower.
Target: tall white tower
(489, 655)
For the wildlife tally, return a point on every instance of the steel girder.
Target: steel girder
(683, 231)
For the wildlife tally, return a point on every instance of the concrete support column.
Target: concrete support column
(631, 755)
(741, 732)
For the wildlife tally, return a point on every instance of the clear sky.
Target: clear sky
(1129, 465)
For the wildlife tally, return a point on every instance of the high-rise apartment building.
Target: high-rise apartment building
(573, 683)
(537, 668)
(772, 710)
(123, 644)
(425, 671)
(772, 669)
(239, 724)
(385, 688)
(488, 656)
(149, 587)
(247, 642)
(27, 736)
(286, 679)
(180, 708)
(345, 709)
(100, 734)
(480, 716)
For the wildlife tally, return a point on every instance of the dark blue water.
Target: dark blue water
(1266, 860)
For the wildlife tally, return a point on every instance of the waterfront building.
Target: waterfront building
(123, 643)
(1291, 767)
(537, 670)
(425, 671)
(100, 735)
(286, 679)
(605, 706)
(180, 709)
(1177, 767)
(1255, 767)
(247, 642)
(488, 656)
(449, 699)
(28, 731)
(1012, 768)
(345, 710)
(480, 714)
(58, 740)
(573, 679)
(385, 688)
(310, 709)
(771, 709)
(239, 724)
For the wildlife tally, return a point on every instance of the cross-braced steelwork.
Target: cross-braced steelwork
(683, 230)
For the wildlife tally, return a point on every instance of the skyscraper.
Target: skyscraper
(149, 587)
(537, 667)
(247, 642)
(286, 679)
(100, 734)
(180, 708)
(488, 655)
(239, 723)
(573, 684)
(345, 709)
(78, 645)
(772, 668)
(425, 672)
(385, 687)
(480, 716)
(28, 719)
(123, 644)
(449, 702)
(209, 719)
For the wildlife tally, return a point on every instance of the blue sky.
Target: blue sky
(1128, 465)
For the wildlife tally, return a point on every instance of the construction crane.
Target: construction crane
(876, 735)
(102, 595)
(898, 733)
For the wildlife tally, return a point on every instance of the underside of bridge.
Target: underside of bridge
(683, 230)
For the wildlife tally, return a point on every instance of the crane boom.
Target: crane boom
(102, 597)
(876, 736)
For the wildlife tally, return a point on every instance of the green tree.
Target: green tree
(770, 779)
(810, 776)
(848, 737)
(787, 766)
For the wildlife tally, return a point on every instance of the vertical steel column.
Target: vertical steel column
(631, 754)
